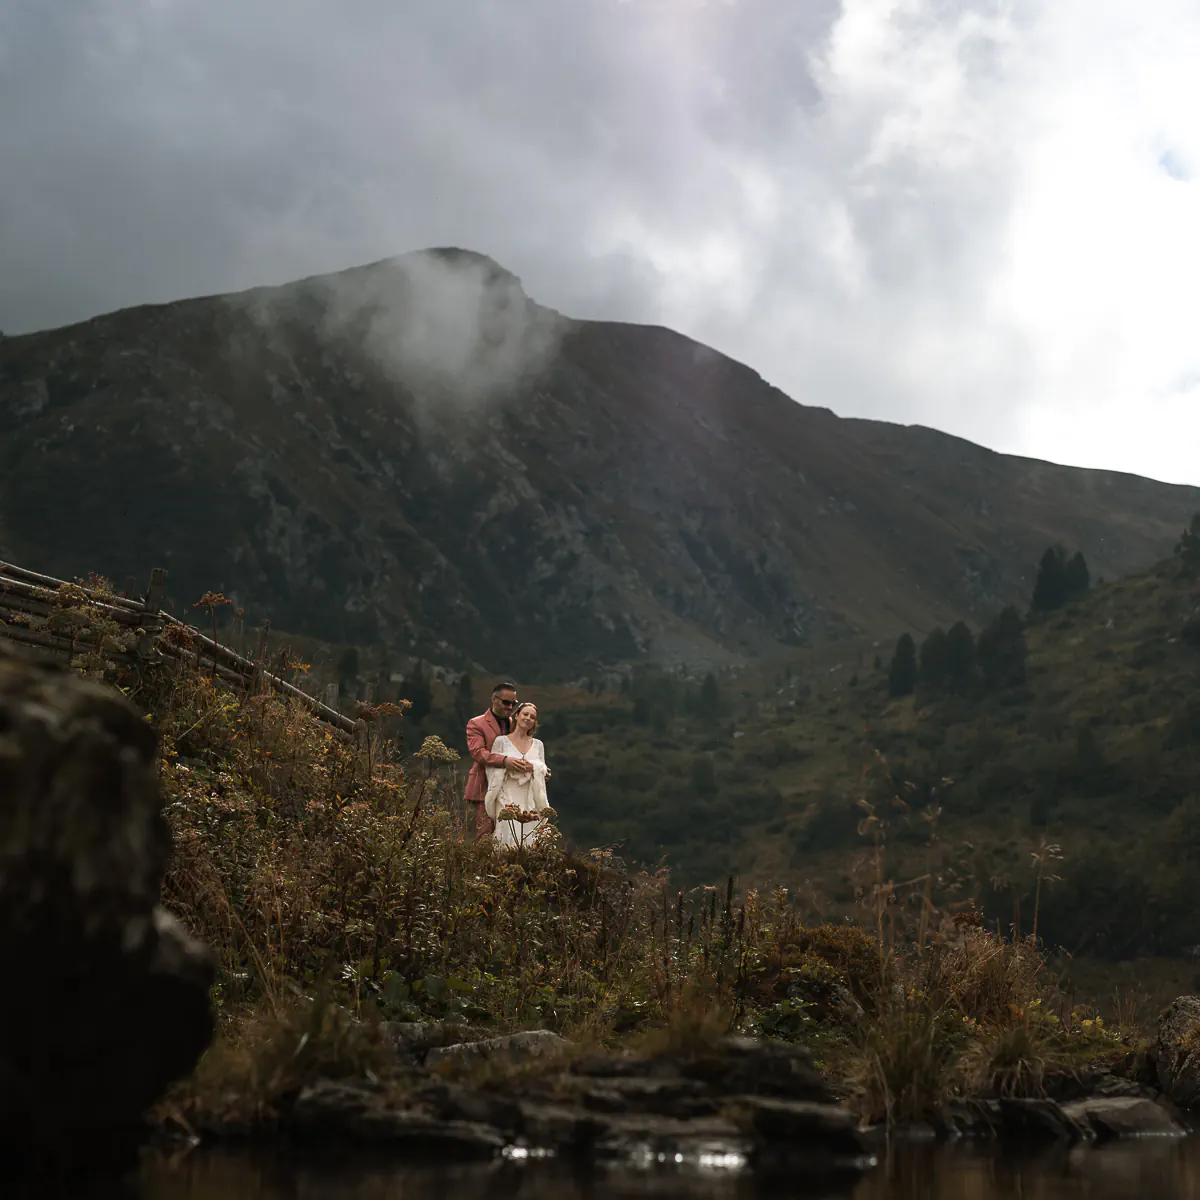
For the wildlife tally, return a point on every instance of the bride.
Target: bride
(512, 792)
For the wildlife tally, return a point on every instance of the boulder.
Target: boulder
(356, 1111)
(1178, 1052)
(1098, 1117)
(515, 1047)
(1089, 1082)
(1026, 1119)
(797, 1121)
(412, 1040)
(641, 1111)
(671, 1097)
(106, 997)
(760, 1068)
(1111, 1117)
(641, 1140)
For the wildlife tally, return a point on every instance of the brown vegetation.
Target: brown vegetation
(341, 887)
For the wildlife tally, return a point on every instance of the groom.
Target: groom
(482, 731)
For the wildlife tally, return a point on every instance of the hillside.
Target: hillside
(1098, 753)
(416, 453)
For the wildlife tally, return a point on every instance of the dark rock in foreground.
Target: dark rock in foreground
(1034, 1120)
(1111, 1117)
(744, 1103)
(1178, 1052)
(106, 999)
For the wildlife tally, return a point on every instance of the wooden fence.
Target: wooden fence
(54, 615)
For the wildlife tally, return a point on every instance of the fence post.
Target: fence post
(368, 727)
(260, 656)
(238, 633)
(331, 696)
(151, 604)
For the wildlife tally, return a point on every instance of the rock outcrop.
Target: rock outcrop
(1178, 1052)
(743, 1103)
(105, 999)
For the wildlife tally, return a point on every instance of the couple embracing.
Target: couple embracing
(507, 782)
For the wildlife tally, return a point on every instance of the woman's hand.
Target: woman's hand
(518, 764)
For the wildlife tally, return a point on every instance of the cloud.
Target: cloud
(973, 214)
(453, 325)
(450, 326)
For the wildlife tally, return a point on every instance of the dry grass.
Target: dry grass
(260, 1062)
(340, 885)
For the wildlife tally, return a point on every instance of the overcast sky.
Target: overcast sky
(980, 215)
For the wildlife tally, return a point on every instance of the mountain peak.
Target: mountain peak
(414, 452)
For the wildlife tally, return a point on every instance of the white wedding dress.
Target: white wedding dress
(526, 790)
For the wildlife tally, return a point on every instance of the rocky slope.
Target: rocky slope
(416, 452)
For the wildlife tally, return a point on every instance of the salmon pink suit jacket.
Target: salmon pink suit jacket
(482, 731)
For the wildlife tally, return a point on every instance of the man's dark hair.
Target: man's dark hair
(504, 687)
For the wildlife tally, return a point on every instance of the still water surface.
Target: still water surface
(1158, 1169)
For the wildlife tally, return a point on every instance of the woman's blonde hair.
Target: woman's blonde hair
(517, 712)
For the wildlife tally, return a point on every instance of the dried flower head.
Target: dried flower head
(178, 635)
(434, 749)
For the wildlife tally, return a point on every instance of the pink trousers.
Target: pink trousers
(484, 825)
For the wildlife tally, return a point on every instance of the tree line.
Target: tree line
(956, 662)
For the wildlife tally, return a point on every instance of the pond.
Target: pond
(1159, 1168)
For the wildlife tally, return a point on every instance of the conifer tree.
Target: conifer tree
(960, 658)
(1076, 577)
(1188, 548)
(1059, 579)
(902, 677)
(934, 673)
(1049, 589)
(1001, 652)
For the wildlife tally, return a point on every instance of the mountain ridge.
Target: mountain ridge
(415, 452)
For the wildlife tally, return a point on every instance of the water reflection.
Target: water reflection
(1149, 1168)
(1161, 1169)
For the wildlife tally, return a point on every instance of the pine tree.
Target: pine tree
(1050, 589)
(710, 696)
(1188, 547)
(960, 658)
(934, 672)
(1076, 577)
(1000, 651)
(902, 677)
